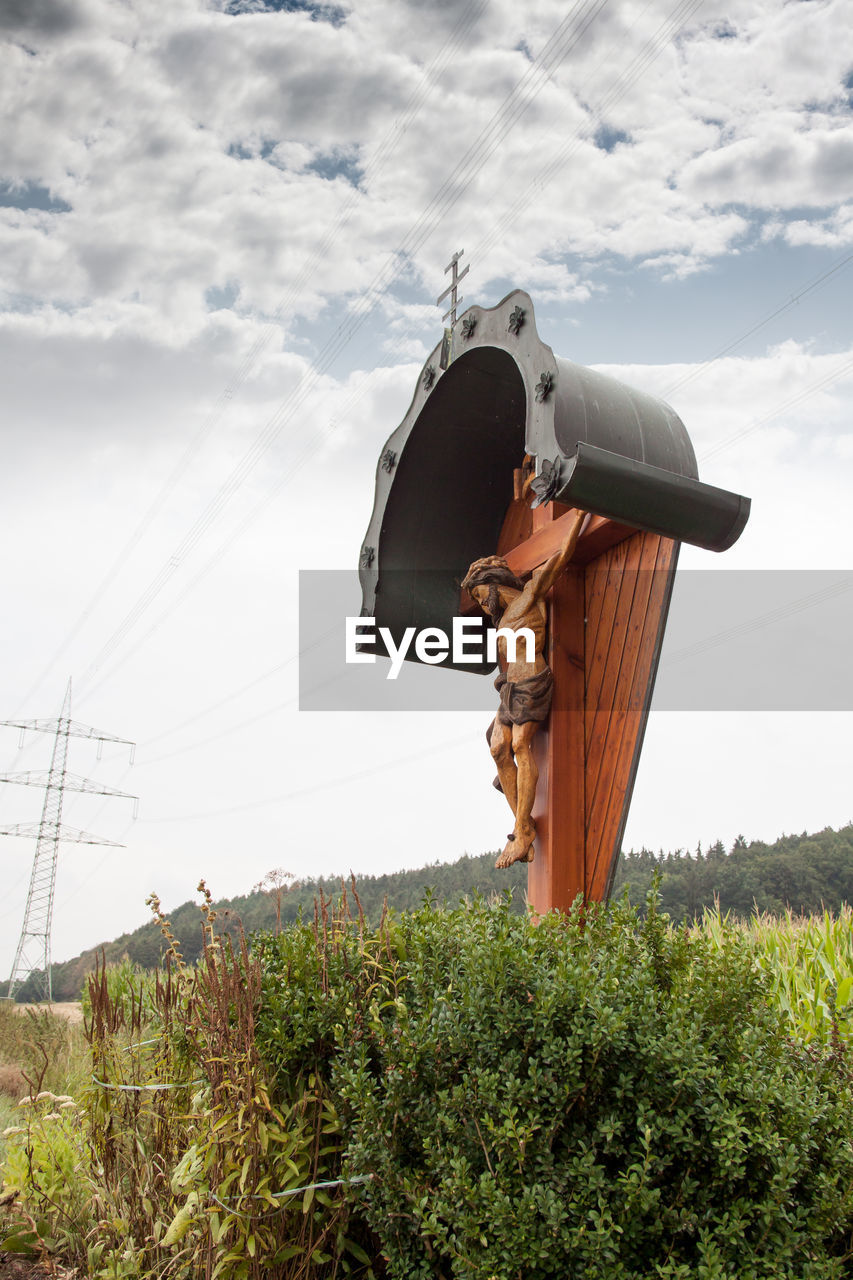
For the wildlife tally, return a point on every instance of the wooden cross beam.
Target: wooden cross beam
(535, 546)
(606, 618)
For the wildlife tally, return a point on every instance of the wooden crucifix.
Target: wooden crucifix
(451, 490)
(601, 662)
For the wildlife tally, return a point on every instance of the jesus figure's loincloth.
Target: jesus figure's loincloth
(522, 701)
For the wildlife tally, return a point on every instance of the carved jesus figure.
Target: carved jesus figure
(525, 687)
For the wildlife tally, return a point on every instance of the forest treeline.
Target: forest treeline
(805, 873)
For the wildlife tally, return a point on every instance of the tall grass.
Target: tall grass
(809, 963)
(50, 1051)
(174, 1159)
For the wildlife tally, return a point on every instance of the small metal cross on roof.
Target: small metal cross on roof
(458, 275)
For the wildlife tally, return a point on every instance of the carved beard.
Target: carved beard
(493, 605)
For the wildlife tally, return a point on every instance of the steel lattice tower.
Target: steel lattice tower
(33, 952)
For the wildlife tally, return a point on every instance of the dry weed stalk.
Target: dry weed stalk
(196, 1173)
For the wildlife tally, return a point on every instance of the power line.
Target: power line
(750, 625)
(565, 38)
(244, 724)
(835, 375)
(771, 315)
(822, 278)
(326, 785)
(222, 733)
(454, 41)
(627, 78)
(236, 693)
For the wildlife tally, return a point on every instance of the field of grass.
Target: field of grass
(39, 1050)
(809, 963)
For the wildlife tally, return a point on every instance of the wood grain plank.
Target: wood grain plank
(604, 648)
(626, 730)
(558, 871)
(606, 576)
(610, 721)
(603, 635)
(616, 672)
(528, 538)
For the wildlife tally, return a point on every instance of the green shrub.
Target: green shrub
(606, 1097)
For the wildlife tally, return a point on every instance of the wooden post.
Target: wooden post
(558, 871)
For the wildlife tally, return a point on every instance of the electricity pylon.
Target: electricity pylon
(38, 915)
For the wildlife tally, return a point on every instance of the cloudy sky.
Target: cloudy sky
(224, 227)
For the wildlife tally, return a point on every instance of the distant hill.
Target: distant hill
(806, 873)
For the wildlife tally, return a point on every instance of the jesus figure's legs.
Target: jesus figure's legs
(500, 745)
(519, 847)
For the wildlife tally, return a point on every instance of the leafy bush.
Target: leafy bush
(603, 1097)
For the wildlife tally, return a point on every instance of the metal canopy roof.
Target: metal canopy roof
(485, 397)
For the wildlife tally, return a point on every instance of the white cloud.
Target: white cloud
(789, 162)
(832, 232)
(185, 147)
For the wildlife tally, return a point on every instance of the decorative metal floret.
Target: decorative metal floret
(388, 460)
(516, 320)
(469, 324)
(365, 560)
(429, 377)
(546, 483)
(543, 387)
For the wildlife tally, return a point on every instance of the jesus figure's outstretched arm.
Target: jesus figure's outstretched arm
(542, 582)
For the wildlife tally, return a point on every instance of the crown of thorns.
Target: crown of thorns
(491, 571)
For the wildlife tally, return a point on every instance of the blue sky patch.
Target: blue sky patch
(639, 317)
(30, 196)
(319, 12)
(257, 151)
(606, 137)
(336, 164)
(221, 297)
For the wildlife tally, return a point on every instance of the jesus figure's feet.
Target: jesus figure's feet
(519, 847)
